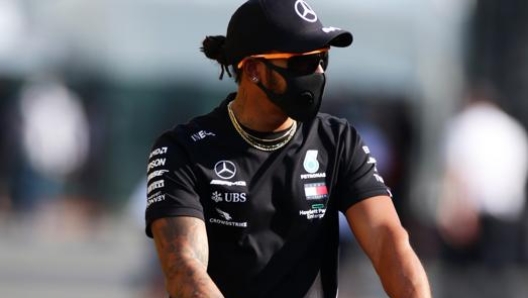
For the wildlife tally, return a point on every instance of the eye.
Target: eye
(307, 64)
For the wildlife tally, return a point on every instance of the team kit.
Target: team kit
(217, 176)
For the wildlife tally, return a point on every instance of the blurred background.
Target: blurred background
(438, 88)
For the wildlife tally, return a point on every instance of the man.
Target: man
(244, 201)
(482, 206)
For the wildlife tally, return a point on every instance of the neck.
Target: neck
(257, 112)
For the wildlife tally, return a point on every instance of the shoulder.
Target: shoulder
(198, 128)
(331, 121)
(332, 125)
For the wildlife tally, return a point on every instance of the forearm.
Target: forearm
(379, 232)
(182, 247)
(399, 268)
(187, 278)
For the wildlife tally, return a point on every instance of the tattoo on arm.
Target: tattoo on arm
(178, 230)
(183, 251)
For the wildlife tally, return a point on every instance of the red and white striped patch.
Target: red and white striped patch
(315, 191)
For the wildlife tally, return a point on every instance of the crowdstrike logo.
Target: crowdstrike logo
(304, 11)
(225, 169)
(224, 214)
(227, 220)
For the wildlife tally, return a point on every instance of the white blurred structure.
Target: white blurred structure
(55, 130)
(481, 208)
(487, 150)
(396, 43)
(11, 26)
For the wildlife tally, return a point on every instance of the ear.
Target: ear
(252, 70)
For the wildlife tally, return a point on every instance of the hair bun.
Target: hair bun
(213, 48)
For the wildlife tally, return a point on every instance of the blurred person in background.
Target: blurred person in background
(244, 201)
(8, 90)
(483, 201)
(51, 148)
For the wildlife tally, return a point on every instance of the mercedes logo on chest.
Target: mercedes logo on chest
(305, 11)
(225, 169)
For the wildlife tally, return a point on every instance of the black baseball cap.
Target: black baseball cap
(290, 26)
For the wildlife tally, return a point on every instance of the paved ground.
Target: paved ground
(51, 259)
(104, 263)
(46, 259)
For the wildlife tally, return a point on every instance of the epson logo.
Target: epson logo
(156, 163)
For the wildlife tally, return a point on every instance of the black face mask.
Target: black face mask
(302, 99)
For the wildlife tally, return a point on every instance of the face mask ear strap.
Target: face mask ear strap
(281, 70)
(269, 93)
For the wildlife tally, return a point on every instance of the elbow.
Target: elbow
(399, 268)
(392, 242)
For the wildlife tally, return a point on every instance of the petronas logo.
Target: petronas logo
(311, 165)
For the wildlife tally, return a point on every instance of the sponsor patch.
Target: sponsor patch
(202, 134)
(225, 169)
(226, 220)
(155, 185)
(155, 199)
(156, 174)
(229, 197)
(312, 176)
(315, 191)
(228, 183)
(156, 163)
(158, 151)
(310, 163)
(313, 213)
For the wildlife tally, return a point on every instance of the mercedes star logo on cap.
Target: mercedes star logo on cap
(305, 11)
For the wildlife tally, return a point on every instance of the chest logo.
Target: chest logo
(315, 191)
(310, 163)
(224, 214)
(225, 169)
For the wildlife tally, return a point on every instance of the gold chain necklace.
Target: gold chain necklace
(257, 142)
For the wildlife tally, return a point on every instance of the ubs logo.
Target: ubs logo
(305, 11)
(225, 169)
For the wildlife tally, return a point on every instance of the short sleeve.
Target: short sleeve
(171, 182)
(358, 176)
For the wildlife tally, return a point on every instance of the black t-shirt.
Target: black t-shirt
(271, 217)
